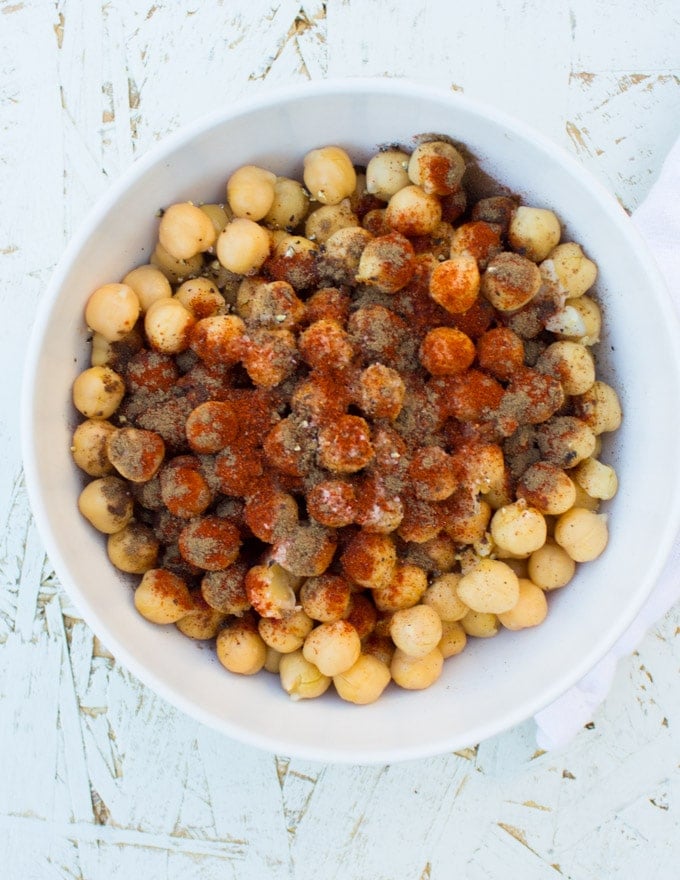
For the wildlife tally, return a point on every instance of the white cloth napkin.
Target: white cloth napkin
(658, 220)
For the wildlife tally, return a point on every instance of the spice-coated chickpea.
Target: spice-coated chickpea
(270, 590)
(202, 622)
(404, 590)
(437, 166)
(218, 339)
(162, 597)
(571, 363)
(328, 219)
(599, 408)
(88, 446)
(285, 634)
(412, 211)
(387, 263)
(107, 503)
(510, 281)
(201, 297)
(445, 351)
(370, 560)
(326, 598)
(133, 549)
(380, 392)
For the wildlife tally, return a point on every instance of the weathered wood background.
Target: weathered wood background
(99, 778)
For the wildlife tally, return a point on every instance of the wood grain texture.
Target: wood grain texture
(99, 778)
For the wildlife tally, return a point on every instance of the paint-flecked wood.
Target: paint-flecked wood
(99, 778)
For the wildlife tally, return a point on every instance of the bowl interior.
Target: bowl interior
(494, 683)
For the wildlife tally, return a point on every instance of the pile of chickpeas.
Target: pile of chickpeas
(342, 425)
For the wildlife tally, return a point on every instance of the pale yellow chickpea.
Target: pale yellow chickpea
(168, 326)
(201, 298)
(185, 231)
(442, 595)
(569, 266)
(364, 681)
(88, 447)
(243, 246)
(551, 567)
(133, 549)
(97, 392)
(580, 320)
(599, 480)
(571, 363)
(531, 608)
(102, 352)
(412, 211)
(271, 590)
(107, 503)
(324, 221)
(416, 630)
(272, 661)
(534, 232)
(162, 597)
(286, 634)
(453, 640)
(174, 269)
(480, 624)
(240, 647)
(329, 175)
(332, 647)
(149, 283)
(437, 166)
(405, 589)
(300, 678)
(583, 499)
(599, 408)
(582, 533)
(387, 173)
(491, 587)
(290, 205)
(219, 215)
(112, 310)
(250, 192)
(416, 673)
(518, 529)
(202, 622)
(519, 566)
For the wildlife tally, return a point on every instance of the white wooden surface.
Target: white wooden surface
(101, 779)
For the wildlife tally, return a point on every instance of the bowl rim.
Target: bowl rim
(267, 98)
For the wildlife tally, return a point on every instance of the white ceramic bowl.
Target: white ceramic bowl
(495, 683)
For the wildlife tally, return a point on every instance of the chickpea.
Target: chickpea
(453, 640)
(446, 351)
(364, 681)
(326, 598)
(97, 392)
(416, 673)
(219, 215)
(531, 608)
(405, 589)
(272, 305)
(324, 221)
(491, 587)
(285, 634)
(300, 678)
(272, 661)
(387, 173)
(534, 232)
(211, 426)
(571, 363)
(370, 560)
(107, 503)
(339, 261)
(480, 624)
(582, 533)
(201, 298)
(380, 392)
(306, 551)
(112, 311)
(225, 590)
(325, 344)
(329, 175)
(480, 239)
(550, 567)
(437, 166)
(269, 356)
(185, 231)
(219, 339)
(211, 543)
(569, 266)
(345, 446)
(332, 647)
(599, 408)
(332, 503)
(250, 192)
(202, 622)
(290, 205)
(565, 441)
(500, 352)
(184, 491)
(243, 246)
(416, 630)
(510, 281)
(442, 595)
(412, 211)
(168, 325)
(597, 479)
(174, 269)
(136, 454)
(432, 473)
(134, 549)
(295, 260)
(387, 263)
(162, 597)
(547, 488)
(270, 590)
(240, 647)
(149, 283)
(88, 447)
